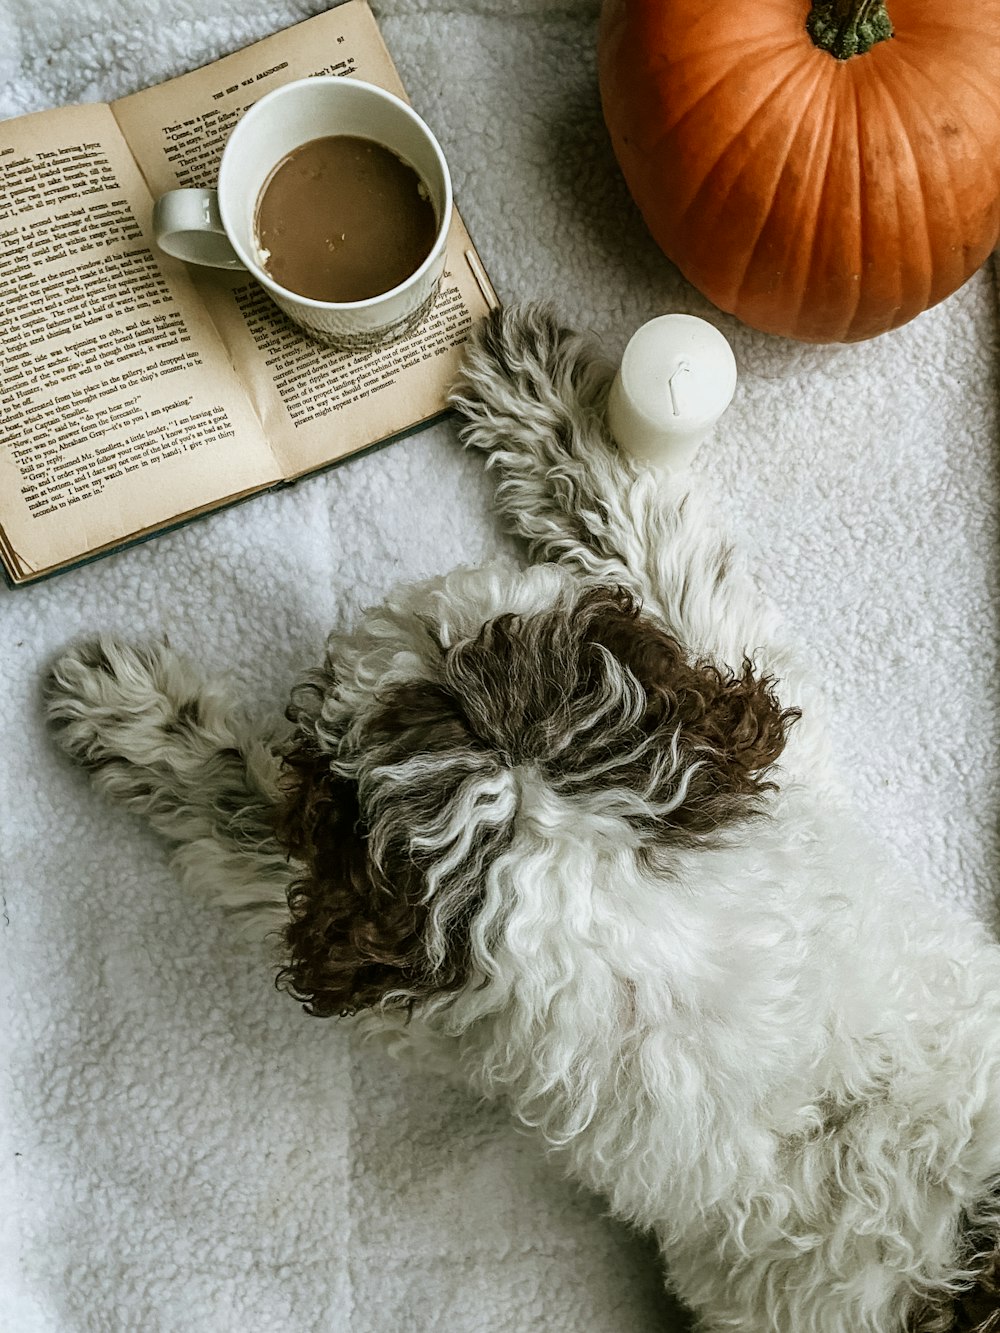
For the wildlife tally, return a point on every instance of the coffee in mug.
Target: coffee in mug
(394, 243)
(342, 218)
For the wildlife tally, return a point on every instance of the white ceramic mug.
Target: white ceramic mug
(216, 227)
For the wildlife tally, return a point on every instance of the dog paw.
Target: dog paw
(107, 700)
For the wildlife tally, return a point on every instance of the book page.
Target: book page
(119, 410)
(316, 404)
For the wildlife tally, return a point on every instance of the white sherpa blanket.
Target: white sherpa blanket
(181, 1150)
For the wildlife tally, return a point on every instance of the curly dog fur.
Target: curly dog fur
(573, 832)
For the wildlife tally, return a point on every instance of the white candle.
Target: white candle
(677, 377)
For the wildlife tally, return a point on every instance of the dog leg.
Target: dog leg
(533, 395)
(171, 747)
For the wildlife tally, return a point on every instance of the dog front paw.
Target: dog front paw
(107, 700)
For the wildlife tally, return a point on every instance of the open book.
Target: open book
(136, 393)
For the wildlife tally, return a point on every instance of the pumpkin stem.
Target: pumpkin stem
(848, 28)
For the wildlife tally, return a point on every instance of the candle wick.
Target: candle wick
(682, 365)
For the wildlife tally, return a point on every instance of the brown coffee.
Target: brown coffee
(343, 218)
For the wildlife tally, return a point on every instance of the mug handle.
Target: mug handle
(187, 225)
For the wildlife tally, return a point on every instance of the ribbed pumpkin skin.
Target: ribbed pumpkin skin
(826, 200)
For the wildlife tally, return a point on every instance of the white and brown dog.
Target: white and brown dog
(573, 832)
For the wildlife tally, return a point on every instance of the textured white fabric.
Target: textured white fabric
(180, 1149)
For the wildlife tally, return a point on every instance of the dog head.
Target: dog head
(459, 726)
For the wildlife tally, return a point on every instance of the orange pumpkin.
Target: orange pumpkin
(825, 172)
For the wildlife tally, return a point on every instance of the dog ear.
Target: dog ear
(352, 938)
(729, 726)
(383, 912)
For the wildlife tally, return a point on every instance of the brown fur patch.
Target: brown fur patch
(975, 1310)
(978, 1310)
(546, 690)
(352, 936)
(732, 726)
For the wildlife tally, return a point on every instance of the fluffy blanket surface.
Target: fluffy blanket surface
(180, 1148)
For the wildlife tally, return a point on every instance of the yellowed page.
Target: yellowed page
(316, 405)
(119, 411)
